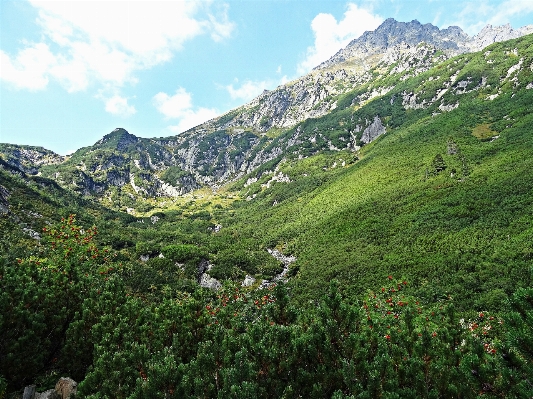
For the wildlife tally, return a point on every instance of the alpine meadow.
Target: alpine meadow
(363, 231)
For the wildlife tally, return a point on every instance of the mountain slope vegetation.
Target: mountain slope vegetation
(430, 199)
(413, 195)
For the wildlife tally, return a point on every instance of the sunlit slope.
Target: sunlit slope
(445, 201)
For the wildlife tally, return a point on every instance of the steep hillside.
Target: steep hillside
(29, 159)
(393, 42)
(30, 203)
(442, 197)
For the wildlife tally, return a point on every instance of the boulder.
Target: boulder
(66, 388)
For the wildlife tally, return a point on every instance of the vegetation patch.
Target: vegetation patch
(483, 131)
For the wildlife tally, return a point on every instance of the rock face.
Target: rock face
(29, 159)
(313, 95)
(248, 281)
(286, 260)
(50, 394)
(392, 33)
(374, 130)
(492, 34)
(205, 280)
(452, 40)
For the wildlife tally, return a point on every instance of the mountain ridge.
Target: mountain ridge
(124, 169)
(453, 39)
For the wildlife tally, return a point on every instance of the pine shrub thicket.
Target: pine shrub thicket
(66, 310)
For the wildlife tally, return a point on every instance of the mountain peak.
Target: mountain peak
(119, 138)
(492, 34)
(453, 40)
(392, 33)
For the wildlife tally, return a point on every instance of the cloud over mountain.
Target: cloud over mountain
(106, 43)
(332, 35)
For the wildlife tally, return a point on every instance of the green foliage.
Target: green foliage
(184, 253)
(438, 165)
(257, 345)
(147, 248)
(247, 343)
(3, 387)
(385, 213)
(519, 342)
(42, 294)
(173, 174)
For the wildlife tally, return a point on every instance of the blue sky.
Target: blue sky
(72, 71)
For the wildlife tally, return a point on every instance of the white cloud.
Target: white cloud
(107, 42)
(247, 90)
(28, 69)
(173, 106)
(222, 27)
(179, 106)
(251, 89)
(475, 15)
(119, 106)
(331, 36)
(192, 118)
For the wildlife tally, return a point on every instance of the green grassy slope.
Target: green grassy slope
(442, 199)
(464, 230)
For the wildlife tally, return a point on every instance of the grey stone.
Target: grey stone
(374, 130)
(207, 281)
(248, 281)
(29, 392)
(50, 394)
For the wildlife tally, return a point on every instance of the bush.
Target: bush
(183, 253)
(42, 295)
(3, 387)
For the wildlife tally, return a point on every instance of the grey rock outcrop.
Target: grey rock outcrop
(493, 34)
(50, 394)
(405, 45)
(392, 33)
(286, 260)
(452, 40)
(4, 204)
(29, 159)
(248, 281)
(29, 392)
(374, 130)
(207, 281)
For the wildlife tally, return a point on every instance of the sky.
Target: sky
(73, 71)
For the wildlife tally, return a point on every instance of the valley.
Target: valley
(396, 178)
